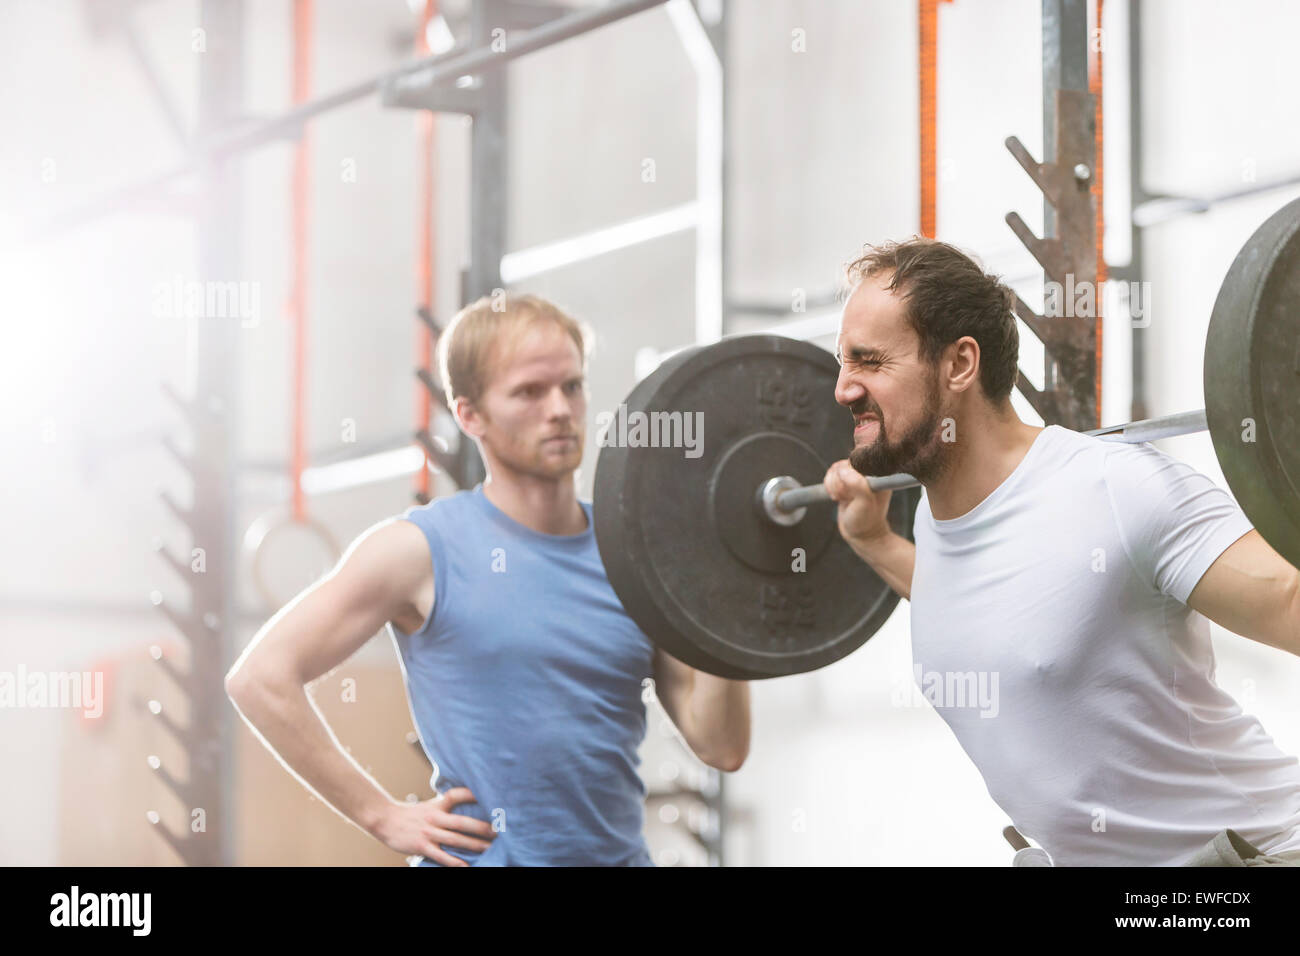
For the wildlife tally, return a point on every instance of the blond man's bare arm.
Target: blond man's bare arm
(378, 580)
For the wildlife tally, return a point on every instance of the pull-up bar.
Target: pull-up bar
(445, 68)
(435, 70)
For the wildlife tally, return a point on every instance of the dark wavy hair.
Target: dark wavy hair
(948, 295)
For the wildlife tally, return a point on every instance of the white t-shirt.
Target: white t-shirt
(1050, 632)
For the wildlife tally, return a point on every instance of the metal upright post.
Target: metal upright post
(488, 167)
(713, 14)
(699, 27)
(488, 186)
(206, 793)
(718, 34)
(1137, 196)
(221, 101)
(1065, 67)
(1067, 250)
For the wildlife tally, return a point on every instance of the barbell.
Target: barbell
(715, 552)
(784, 501)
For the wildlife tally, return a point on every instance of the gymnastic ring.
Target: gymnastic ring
(262, 530)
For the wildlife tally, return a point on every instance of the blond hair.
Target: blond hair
(484, 331)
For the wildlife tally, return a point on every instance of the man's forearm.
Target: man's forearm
(720, 718)
(288, 723)
(892, 557)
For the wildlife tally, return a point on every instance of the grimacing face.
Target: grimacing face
(894, 396)
(532, 416)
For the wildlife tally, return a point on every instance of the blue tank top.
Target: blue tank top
(525, 684)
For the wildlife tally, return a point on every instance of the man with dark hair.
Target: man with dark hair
(948, 296)
(1071, 576)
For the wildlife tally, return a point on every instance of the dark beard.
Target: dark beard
(917, 453)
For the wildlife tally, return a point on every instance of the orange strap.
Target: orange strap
(302, 25)
(425, 130)
(1098, 193)
(927, 12)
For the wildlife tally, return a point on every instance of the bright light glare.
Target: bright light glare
(27, 362)
(438, 36)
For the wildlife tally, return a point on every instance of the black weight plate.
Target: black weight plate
(684, 546)
(1252, 371)
(608, 485)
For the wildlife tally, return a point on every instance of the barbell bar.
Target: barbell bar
(784, 501)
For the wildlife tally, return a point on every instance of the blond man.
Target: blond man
(524, 673)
